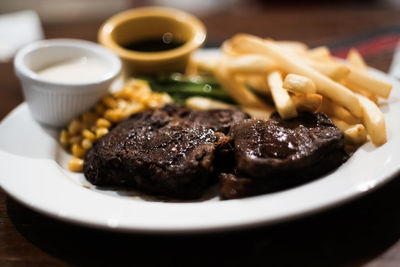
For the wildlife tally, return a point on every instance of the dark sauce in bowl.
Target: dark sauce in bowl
(163, 43)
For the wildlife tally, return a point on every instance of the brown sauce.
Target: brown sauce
(153, 45)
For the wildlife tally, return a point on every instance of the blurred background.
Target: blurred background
(72, 10)
(332, 23)
(316, 22)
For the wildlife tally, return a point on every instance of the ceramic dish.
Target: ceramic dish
(56, 102)
(34, 172)
(151, 23)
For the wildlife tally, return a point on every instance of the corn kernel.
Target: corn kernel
(78, 151)
(64, 138)
(144, 98)
(132, 108)
(142, 83)
(144, 89)
(103, 123)
(166, 98)
(75, 165)
(125, 93)
(86, 144)
(110, 102)
(122, 104)
(130, 83)
(114, 115)
(74, 127)
(137, 84)
(100, 132)
(89, 135)
(153, 103)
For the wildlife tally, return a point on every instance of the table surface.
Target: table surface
(364, 232)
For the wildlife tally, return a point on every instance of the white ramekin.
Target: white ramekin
(57, 103)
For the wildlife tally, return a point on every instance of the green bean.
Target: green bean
(181, 87)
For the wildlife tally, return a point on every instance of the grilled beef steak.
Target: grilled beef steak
(276, 154)
(170, 151)
(178, 152)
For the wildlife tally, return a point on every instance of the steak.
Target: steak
(276, 154)
(169, 151)
(178, 152)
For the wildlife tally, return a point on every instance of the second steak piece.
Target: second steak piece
(277, 154)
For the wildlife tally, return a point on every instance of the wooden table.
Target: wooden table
(365, 231)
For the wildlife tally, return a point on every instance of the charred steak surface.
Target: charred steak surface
(275, 154)
(168, 152)
(178, 152)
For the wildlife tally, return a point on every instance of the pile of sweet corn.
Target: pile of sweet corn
(83, 131)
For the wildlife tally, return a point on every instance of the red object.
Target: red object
(372, 46)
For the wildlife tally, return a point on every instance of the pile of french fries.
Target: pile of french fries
(295, 79)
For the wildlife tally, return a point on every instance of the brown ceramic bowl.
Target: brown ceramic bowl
(147, 23)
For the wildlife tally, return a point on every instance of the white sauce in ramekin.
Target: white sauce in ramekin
(82, 69)
(62, 78)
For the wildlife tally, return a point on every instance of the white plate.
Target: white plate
(33, 170)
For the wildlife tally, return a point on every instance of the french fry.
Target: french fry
(333, 110)
(355, 60)
(342, 125)
(192, 67)
(330, 68)
(238, 91)
(325, 86)
(283, 103)
(205, 63)
(355, 135)
(373, 120)
(318, 53)
(256, 82)
(292, 45)
(327, 66)
(307, 102)
(364, 81)
(319, 58)
(299, 84)
(370, 95)
(250, 64)
(228, 50)
(257, 113)
(204, 103)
